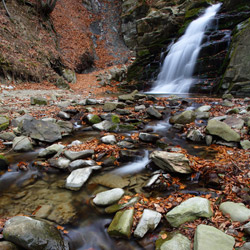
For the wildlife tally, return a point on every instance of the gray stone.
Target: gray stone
(93, 119)
(202, 115)
(237, 211)
(185, 117)
(195, 135)
(208, 238)
(108, 197)
(4, 122)
(227, 103)
(41, 130)
(63, 104)
(22, 144)
(104, 125)
(140, 108)
(245, 144)
(111, 106)
(91, 102)
(72, 155)
(246, 246)
(177, 242)
(78, 177)
(7, 245)
(152, 112)
(149, 221)
(228, 97)
(33, 234)
(172, 162)
(189, 210)
(7, 136)
(65, 127)
(204, 108)
(121, 224)
(63, 115)
(19, 119)
(38, 101)
(234, 122)
(146, 137)
(51, 150)
(220, 118)
(125, 144)
(69, 75)
(233, 111)
(123, 111)
(128, 97)
(246, 228)
(61, 162)
(108, 139)
(222, 130)
(81, 163)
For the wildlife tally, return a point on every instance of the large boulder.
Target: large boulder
(208, 238)
(222, 130)
(189, 210)
(4, 122)
(176, 242)
(121, 225)
(237, 211)
(33, 234)
(172, 162)
(149, 221)
(185, 117)
(40, 130)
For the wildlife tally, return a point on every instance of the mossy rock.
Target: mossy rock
(126, 127)
(61, 83)
(193, 13)
(4, 122)
(115, 119)
(94, 119)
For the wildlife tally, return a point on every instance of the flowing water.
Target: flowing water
(176, 73)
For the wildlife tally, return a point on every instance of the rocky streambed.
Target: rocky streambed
(132, 172)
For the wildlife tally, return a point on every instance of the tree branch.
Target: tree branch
(6, 9)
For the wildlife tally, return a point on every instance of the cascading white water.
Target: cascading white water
(176, 73)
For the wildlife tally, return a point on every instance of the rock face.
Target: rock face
(237, 211)
(108, 197)
(172, 162)
(33, 234)
(41, 130)
(189, 210)
(177, 242)
(149, 221)
(222, 130)
(121, 224)
(207, 238)
(185, 117)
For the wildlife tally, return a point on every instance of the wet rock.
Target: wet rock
(51, 150)
(114, 208)
(104, 125)
(72, 155)
(121, 224)
(93, 119)
(81, 163)
(128, 97)
(177, 242)
(207, 238)
(172, 162)
(7, 245)
(108, 139)
(123, 111)
(149, 221)
(220, 118)
(4, 122)
(65, 127)
(233, 111)
(202, 115)
(146, 137)
(78, 177)
(204, 108)
(130, 155)
(159, 181)
(108, 197)
(246, 246)
(111, 106)
(22, 144)
(33, 234)
(61, 162)
(40, 130)
(3, 164)
(195, 135)
(234, 122)
(126, 144)
(152, 112)
(91, 102)
(189, 210)
(63, 115)
(245, 144)
(7, 136)
(246, 228)
(222, 130)
(38, 101)
(185, 117)
(140, 108)
(211, 179)
(237, 211)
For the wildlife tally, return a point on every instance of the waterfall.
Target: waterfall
(176, 73)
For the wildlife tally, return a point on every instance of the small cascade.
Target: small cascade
(177, 71)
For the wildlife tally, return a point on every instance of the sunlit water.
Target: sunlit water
(176, 73)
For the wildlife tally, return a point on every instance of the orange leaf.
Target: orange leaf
(164, 236)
